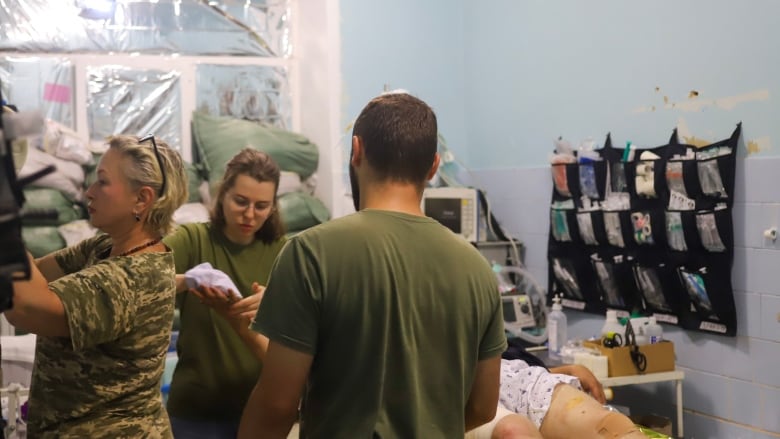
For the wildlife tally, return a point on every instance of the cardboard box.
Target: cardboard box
(660, 358)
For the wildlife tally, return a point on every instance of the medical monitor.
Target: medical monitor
(458, 209)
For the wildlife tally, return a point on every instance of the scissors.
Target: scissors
(638, 358)
(612, 340)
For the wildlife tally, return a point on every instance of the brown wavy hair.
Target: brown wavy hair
(261, 167)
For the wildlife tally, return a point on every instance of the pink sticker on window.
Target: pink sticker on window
(56, 93)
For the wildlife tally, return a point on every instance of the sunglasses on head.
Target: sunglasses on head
(159, 159)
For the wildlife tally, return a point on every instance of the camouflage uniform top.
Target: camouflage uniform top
(104, 381)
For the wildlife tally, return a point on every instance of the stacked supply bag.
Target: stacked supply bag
(56, 199)
(217, 139)
(646, 230)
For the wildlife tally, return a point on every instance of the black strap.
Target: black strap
(494, 226)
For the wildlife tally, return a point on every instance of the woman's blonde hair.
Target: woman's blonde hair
(143, 169)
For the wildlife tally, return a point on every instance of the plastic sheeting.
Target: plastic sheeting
(257, 93)
(188, 27)
(121, 100)
(270, 19)
(39, 84)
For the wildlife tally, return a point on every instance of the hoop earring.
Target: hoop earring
(137, 216)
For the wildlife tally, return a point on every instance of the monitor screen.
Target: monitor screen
(446, 211)
(509, 311)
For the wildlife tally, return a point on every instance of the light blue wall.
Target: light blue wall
(520, 73)
(410, 44)
(540, 69)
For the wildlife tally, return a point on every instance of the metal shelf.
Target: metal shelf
(676, 375)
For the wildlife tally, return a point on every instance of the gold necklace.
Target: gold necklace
(140, 247)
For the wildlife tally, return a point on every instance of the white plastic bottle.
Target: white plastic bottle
(556, 329)
(654, 331)
(611, 324)
(640, 337)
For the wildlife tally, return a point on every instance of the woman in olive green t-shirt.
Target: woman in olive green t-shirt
(216, 370)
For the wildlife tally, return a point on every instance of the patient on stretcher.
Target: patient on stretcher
(535, 402)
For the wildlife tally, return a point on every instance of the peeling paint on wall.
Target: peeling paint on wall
(695, 104)
(695, 141)
(758, 145)
(725, 103)
(685, 135)
(753, 146)
(682, 128)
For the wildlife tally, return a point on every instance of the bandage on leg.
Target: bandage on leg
(616, 426)
(573, 413)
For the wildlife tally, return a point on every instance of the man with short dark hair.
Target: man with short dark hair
(384, 321)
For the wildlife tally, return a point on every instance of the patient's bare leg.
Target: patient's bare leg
(515, 426)
(574, 413)
(506, 425)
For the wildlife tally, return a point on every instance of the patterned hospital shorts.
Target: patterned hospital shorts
(527, 390)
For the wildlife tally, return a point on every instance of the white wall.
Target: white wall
(318, 68)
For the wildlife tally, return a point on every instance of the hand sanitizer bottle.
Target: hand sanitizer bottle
(556, 329)
(655, 333)
(611, 324)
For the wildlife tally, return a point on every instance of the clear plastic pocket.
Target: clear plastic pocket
(605, 273)
(644, 180)
(710, 179)
(674, 177)
(617, 177)
(708, 232)
(559, 224)
(561, 179)
(588, 184)
(650, 286)
(675, 233)
(585, 224)
(566, 278)
(613, 228)
(643, 228)
(697, 293)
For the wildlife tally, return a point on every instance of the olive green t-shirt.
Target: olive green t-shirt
(104, 380)
(216, 371)
(397, 311)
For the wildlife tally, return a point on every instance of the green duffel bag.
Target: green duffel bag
(194, 179)
(42, 240)
(90, 170)
(48, 200)
(300, 211)
(217, 139)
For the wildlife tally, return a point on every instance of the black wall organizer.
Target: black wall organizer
(653, 236)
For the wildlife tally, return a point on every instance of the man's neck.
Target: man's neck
(396, 197)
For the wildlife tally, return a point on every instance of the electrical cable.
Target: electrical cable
(531, 286)
(538, 306)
